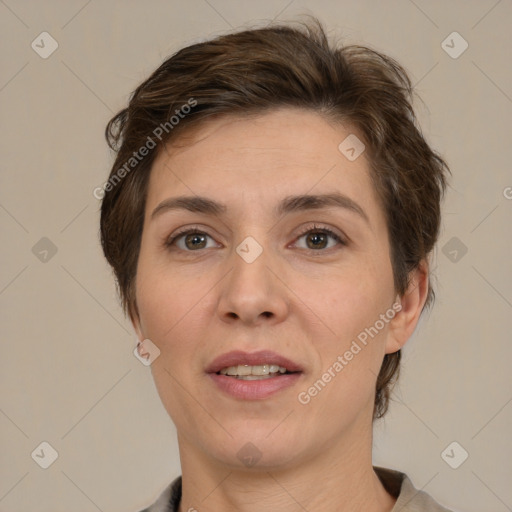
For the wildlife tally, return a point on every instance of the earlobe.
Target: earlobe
(412, 301)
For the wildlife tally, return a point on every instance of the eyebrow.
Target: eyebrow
(289, 204)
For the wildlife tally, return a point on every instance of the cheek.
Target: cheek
(172, 313)
(165, 301)
(347, 300)
(352, 345)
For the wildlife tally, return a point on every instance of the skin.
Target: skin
(303, 300)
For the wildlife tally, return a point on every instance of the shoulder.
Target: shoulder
(409, 499)
(169, 499)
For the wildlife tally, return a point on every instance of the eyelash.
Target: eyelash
(310, 229)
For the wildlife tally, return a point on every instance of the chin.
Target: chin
(256, 449)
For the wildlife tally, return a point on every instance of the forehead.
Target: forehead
(260, 159)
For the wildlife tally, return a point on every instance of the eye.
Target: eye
(317, 237)
(189, 240)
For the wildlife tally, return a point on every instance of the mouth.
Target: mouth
(252, 376)
(264, 363)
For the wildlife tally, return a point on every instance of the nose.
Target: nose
(252, 293)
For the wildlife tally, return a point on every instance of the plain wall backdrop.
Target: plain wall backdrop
(68, 374)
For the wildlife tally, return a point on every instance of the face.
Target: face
(265, 276)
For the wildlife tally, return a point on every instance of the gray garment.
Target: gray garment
(397, 484)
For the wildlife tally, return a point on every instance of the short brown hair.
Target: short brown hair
(252, 72)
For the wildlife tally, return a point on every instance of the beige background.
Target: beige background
(68, 373)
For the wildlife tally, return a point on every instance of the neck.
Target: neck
(338, 478)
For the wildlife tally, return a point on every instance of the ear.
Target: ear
(404, 322)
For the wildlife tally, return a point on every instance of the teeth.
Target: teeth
(242, 370)
(254, 377)
(245, 370)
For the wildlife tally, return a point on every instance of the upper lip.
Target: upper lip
(238, 357)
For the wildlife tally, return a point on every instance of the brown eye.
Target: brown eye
(195, 241)
(318, 238)
(190, 240)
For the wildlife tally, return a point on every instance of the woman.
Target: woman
(269, 217)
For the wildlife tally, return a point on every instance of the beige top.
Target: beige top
(409, 499)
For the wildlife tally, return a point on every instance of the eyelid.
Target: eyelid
(171, 239)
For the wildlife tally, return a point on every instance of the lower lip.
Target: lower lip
(254, 389)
